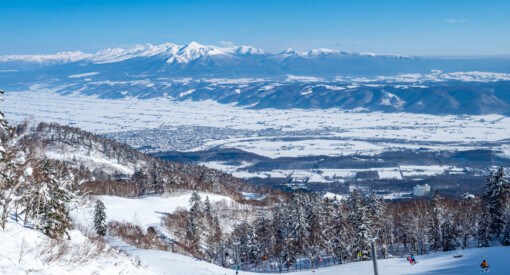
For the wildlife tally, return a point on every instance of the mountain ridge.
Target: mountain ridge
(171, 51)
(207, 61)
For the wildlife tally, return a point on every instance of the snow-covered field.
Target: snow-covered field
(275, 149)
(108, 115)
(339, 175)
(350, 132)
(148, 211)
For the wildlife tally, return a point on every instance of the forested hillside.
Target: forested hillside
(107, 167)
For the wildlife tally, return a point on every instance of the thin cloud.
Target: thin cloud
(455, 21)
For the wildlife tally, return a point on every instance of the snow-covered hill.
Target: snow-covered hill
(148, 211)
(100, 159)
(25, 250)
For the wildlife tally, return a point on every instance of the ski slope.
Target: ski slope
(23, 249)
(161, 262)
(148, 211)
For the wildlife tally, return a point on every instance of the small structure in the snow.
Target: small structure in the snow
(121, 176)
(254, 196)
(421, 190)
(458, 255)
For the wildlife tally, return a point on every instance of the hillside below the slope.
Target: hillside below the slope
(114, 168)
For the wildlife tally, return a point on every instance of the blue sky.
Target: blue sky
(412, 27)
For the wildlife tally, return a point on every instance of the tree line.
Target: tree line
(312, 227)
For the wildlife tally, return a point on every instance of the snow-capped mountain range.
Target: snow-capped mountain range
(169, 51)
(248, 76)
(197, 60)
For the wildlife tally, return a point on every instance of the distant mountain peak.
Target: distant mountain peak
(247, 50)
(60, 57)
(322, 52)
(289, 51)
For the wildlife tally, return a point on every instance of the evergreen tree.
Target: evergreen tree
(22, 171)
(281, 230)
(484, 228)
(450, 234)
(100, 218)
(506, 235)
(317, 222)
(193, 230)
(299, 224)
(339, 232)
(140, 179)
(4, 127)
(195, 202)
(264, 236)
(375, 211)
(245, 237)
(360, 220)
(208, 209)
(437, 221)
(156, 178)
(55, 220)
(3, 130)
(213, 241)
(467, 217)
(496, 199)
(212, 230)
(6, 180)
